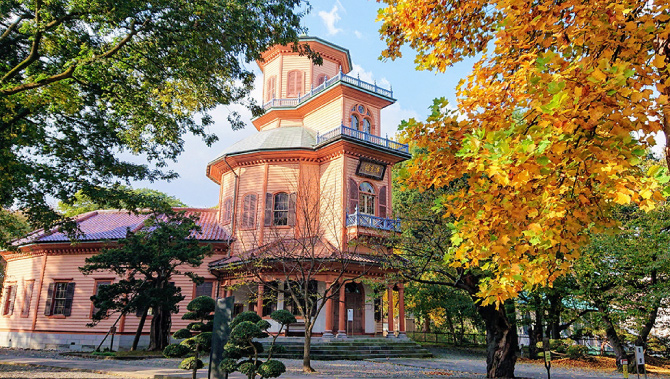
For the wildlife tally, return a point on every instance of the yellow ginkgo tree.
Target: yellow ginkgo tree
(552, 124)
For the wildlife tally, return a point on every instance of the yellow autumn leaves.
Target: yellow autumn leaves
(560, 116)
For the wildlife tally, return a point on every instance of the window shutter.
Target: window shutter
(268, 209)
(25, 311)
(253, 201)
(291, 91)
(291, 209)
(50, 295)
(69, 295)
(12, 297)
(245, 212)
(382, 202)
(298, 84)
(353, 196)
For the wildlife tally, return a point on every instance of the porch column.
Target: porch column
(259, 300)
(329, 310)
(389, 293)
(229, 292)
(342, 330)
(401, 310)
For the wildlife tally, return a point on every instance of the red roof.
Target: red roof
(104, 225)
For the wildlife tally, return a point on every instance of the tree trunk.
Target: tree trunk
(502, 342)
(160, 330)
(554, 316)
(138, 333)
(426, 324)
(535, 334)
(613, 337)
(306, 357)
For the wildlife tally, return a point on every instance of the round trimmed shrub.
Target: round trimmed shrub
(271, 369)
(250, 316)
(263, 325)
(283, 317)
(190, 316)
(175, 350)
(195, 326)
(181, 334)
(202, 304)
(244, 331)
(247, 367)
(204, 339)
(191, 363)
(228, 365)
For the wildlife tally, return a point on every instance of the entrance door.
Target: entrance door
(354, 298)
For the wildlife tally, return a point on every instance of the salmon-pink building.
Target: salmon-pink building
(318, 168)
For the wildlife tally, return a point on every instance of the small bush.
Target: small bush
(247, 367)
(283, 317)
(190, 316)
(196, 326)
(202, 304)
(228, 365)
(263, 325)
(175, 350)
(271, 369)
(181, 334)
(577, 351)
(245, 316)
(191, 363)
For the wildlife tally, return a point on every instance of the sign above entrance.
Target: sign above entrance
(370, 169)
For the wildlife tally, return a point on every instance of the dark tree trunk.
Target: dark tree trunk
(502, 342)
(306, 353)
(613, 337)
(138, 333)
(426, 324)
(160, 330)
(554, 316)
(535, 335)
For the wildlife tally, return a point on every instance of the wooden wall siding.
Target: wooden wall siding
(227, 190)
(330, 68)
(325, 118)
(331, 199)
(65, 267)
(250, 182)
(20, 272)
(374, 111)
(295, 62)
(289, 122)
(272, 68)
(270, 125)
(308, 199)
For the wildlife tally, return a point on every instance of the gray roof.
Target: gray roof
(293, 137)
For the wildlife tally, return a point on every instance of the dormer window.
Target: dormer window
(270, 88)
(294, 83)
(361, 118)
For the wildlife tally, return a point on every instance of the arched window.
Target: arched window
(249, 212)
(321, 79)
(270, 88)
(354, 122)
(366, 198)
(227, 210)
(363, 118)
(294, 83)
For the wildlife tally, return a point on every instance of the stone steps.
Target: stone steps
(368, 348)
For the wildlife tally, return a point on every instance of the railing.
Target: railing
(340, 77)
(363, 136)
(374, 222)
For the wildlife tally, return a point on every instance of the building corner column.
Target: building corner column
(328, 332)
(342, 327)
(391, 320)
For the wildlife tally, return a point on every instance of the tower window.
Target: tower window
(321, 79)
(270, 88)
(280, 212)
(361, 119)
(294, 83)
(366, 199)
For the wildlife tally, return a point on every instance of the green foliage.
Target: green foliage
(191, 363)
(196, 326)
(182, 333)
(577, 351)
(203, 305)
(246, 327)
(82, 81)
(190, 316)
(245, 316)
(175, 350)
(271, 369)
(147, 260)
(145, 197)
(282, 316)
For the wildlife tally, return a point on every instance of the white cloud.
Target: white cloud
(330, 19)
(368, 76)
(358, 34)
(391, 118)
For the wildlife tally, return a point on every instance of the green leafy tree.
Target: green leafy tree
(197, 336)
(625, 275)
(147, 260)
(242, 351)
(12, 225)
(153, 199)
(81, 81)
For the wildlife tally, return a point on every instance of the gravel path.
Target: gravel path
(16, 371)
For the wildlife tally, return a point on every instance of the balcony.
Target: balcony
(374, 222)
(344, 78)
(362, 136)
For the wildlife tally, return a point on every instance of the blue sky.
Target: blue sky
(350, 24)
